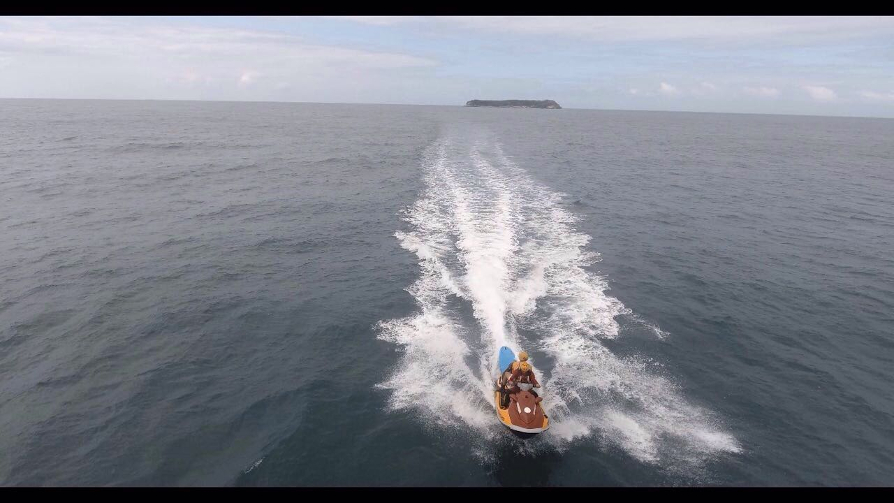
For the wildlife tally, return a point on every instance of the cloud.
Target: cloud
(128, 39)
(763, 92)
(667, 89)
(380, 20)
(747, 29)
(248, 78)
(633, 91)
(872, 95)
(186, 59)
(190, 78)
(703, 89)
(820, 93)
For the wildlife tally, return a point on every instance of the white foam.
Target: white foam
(254, 465)
(490, 237)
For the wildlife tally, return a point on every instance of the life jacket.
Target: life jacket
(512, 367)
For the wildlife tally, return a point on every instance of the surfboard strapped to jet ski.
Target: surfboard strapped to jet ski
(520, 411)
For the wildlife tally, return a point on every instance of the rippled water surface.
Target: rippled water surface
(301, 294)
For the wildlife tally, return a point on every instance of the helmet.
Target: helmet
(523, 356)
(525, 366)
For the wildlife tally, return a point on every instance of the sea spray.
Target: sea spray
(492, 240)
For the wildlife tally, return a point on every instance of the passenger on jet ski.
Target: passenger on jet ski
(503, 381)
(522, 357)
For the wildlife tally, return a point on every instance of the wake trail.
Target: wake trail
(490, 239)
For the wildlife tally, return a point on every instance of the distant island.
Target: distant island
(550, 104)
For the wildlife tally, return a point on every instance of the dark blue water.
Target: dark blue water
(298, 294)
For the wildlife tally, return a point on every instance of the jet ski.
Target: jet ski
(522, 411)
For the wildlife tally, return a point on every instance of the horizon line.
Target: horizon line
(458, 106)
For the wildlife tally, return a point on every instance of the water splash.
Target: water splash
(491, 239)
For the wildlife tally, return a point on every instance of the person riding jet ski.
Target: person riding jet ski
(507, 372)
(503, 381)
(522, 357)
(522, 378)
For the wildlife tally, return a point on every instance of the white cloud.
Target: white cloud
(820, 93)
(872, 95)
(190, 78)
(667, 89)
(703, 89)
(633, 91)
(380, 20)
(748, 29)
(763, 92)
(102, 57)
(248, 78)
(110, 37)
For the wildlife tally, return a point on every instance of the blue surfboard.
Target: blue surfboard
(506, 358)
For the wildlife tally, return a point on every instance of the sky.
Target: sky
(777, 65)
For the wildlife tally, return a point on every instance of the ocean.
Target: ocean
(287, 294)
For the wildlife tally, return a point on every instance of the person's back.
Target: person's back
(522, 357)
